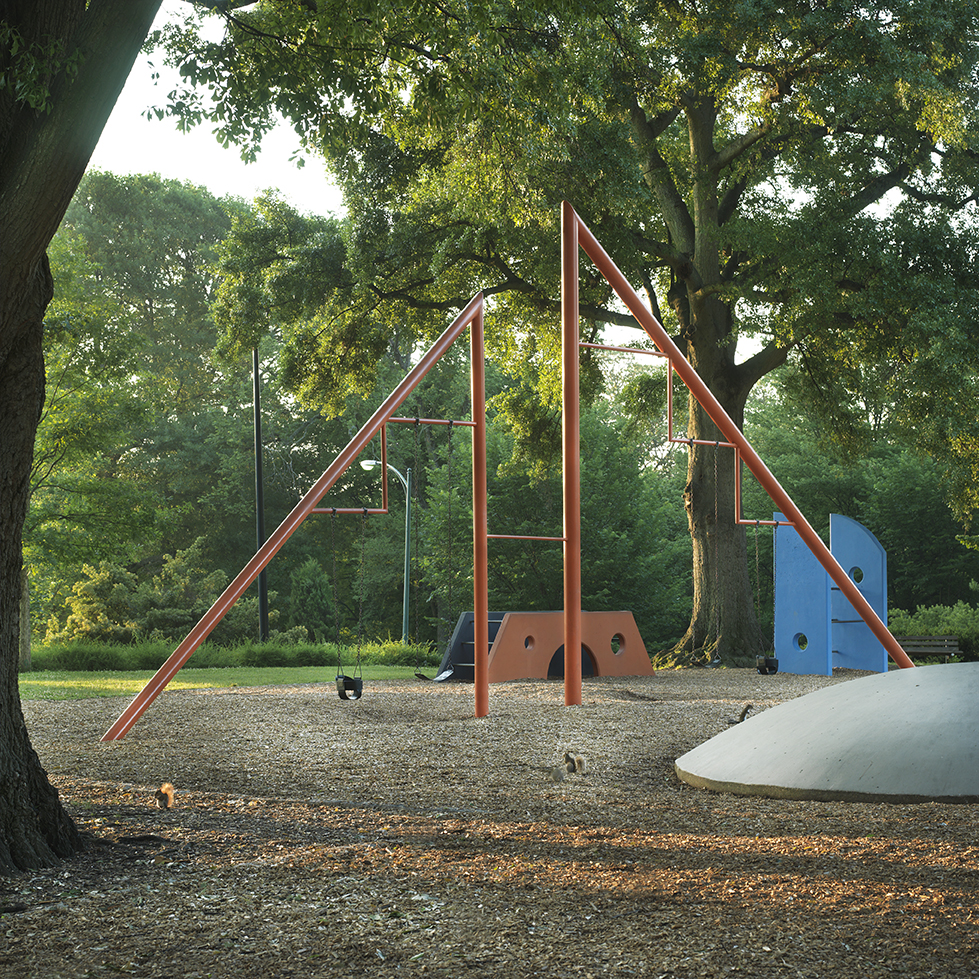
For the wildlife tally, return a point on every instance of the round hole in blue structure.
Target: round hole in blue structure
(856, 575)
(800, 640)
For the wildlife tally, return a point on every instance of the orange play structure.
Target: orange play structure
(525, 645)
(527, 642)
(576, 626)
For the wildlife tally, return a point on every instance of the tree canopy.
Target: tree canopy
(799, 173)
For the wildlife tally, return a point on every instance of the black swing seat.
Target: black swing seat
(350, 687)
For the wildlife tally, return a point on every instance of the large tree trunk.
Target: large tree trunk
(34, 829)
(43, 154)
(723, 624)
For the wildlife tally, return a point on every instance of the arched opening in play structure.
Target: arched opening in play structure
(555, 668)
(574, 236)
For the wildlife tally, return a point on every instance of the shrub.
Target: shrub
(90, 655)
(286, 654)
(960, 619)
(82, 655)
(111, 605)
(392, 653)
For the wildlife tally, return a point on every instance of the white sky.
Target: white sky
(133, 144)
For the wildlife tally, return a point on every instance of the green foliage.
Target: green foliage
(30, 66)
(94, 655)
(388, 653)
(111, 605)
(78, 511)
(758, 136)
(91, 655)
(127, 348)
(284, 272)
(960, 619)
(311, 606)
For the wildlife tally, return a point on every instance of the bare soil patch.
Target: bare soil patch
(401, 836)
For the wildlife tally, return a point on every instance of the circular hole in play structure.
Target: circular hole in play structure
(618, 644)
(856, 575)
(800, 640)
(528, 643)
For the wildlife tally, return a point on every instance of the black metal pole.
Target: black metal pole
(263, 589)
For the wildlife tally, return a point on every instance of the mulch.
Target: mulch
(401, 836)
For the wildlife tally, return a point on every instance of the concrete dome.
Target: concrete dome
(904, 736)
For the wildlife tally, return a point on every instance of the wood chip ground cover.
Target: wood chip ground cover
(401, 836)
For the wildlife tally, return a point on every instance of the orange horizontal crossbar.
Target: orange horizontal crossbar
(432, 421)
(623, 350)
(522, 537)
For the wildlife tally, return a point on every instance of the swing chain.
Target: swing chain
(336, 596)
(363, 566)
(414, 489)
(450, 566)
(715, 609)
(348, 688)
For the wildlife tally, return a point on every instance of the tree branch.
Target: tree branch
(946, 200)
(876, 189)
(658, 174)
(737, 147)
(766, 360)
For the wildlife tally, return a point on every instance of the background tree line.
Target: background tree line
(143, 493)
(800, 174)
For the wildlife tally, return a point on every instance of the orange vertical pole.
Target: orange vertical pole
(480, 517)
(736, 437)
(570, 447)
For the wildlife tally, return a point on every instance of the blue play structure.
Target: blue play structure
(816, 627)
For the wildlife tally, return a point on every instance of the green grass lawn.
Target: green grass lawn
(63, 685)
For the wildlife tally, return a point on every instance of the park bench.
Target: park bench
(941, 646)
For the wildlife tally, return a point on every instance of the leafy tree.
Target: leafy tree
(905, 506)
(62, 64)
(797, 172)
(75, 510)
(111, 604)
(155, 243)
(187, 454)
(311, 602)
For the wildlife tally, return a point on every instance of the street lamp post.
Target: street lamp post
(263, 587)
(369, 465)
